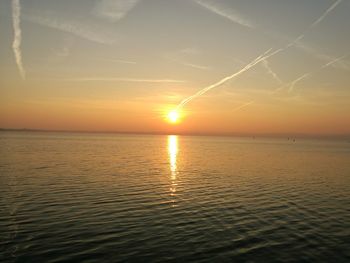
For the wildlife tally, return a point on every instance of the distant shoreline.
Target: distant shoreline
(345, 137)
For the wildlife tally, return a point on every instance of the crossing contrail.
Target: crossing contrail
(220, 82)
(323, 16)
(260, 58)
(16, 44)
(271, 72)
(294, 82)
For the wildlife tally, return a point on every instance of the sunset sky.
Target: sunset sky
(122, 65)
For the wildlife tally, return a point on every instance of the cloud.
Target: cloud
(16, 45)
(226, 12)
(92, 32)
(114, 10)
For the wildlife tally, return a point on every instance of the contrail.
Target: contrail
(92, 32)
(334, 5)
(262, 57)
(225, 12)
(344, 65)
(325, 13)
(220, 82)
(187, 64)
(123, 61)
(16, 45)
(114, 10)
(300, 37)
(271, 72)
(243, 105)
(196, 66)
(181, 55)
(294, 82)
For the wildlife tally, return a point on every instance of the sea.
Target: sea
(74, 197)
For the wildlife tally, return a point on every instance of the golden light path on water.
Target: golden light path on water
(173, 150)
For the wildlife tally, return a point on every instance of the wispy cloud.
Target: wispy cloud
(16, 45)
(126, 80)
(269, 70)
(88, 31)
(226, 12)
(114, 10)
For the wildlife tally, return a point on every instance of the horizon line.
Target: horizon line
(345, 136)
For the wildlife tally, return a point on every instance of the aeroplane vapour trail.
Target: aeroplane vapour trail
(271, 72)
(334, 5)
(230, 14)
(243, 105)
(220, 82)
(16, 45)
(262, 57)
(294, 82)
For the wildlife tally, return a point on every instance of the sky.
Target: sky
(227, 66)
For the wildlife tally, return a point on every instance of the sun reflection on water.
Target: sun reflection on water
(172, 152)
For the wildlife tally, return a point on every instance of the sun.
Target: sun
(173, 116)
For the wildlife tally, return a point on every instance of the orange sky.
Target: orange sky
(123, 67)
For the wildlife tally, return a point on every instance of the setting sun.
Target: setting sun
(173, 116)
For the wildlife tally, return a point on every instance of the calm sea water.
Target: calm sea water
(129, 198)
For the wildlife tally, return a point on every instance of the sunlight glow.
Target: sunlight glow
(173, 116)
(173, 151)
